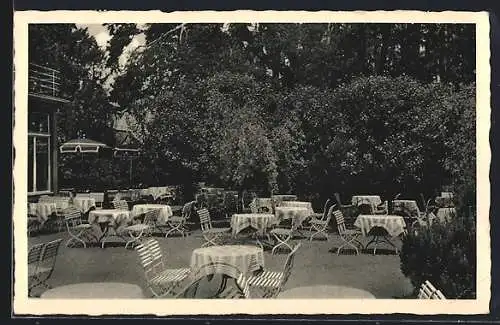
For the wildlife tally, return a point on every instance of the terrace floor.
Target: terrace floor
(315, 264)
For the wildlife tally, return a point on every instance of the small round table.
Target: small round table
(95, 290)
(164, 214)
(244, 257)
(325, 292)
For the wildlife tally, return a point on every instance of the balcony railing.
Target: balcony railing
(43, 80)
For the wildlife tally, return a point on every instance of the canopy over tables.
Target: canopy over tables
(83, 146)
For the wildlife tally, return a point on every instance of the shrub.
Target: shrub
(444, 254)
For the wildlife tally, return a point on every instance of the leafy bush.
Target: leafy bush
(444, 254)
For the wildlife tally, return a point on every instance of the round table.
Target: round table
(244, 257)
(42, 211)
(372, 200)
(258, 221)
(95, 290)
(84, 203)
(297, 214)
(325, 291)
(164, 214)
(109, 221)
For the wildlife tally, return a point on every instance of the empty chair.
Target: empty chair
(348, 236)
(271, 283)
(160, 280)
(120, 204)
(178, 224)
(41, 271)
(212, 236)
(240, 290)
(138, 231)
(283, 235)
(320, 227)
(34, 254)
(323, 215)
(428, 291)
(78, 231)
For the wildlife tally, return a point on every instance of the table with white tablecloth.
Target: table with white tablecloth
(406, 206)
(84, 204)
(262, 204)
(297, 214)
(279, 198)
(245, 258)
(258, 221)
(110, 221)
(372, 200)
(156, 191)
(95, 290)
(42, 211)
(392, 226)
(299, 204)
(325, 292)
(164, 213)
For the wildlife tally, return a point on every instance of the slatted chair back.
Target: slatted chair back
(428, 291)
(49, 254)
(150, 217)
(287, 270)
(120, 205)
(34, 254)
(151, 258)
(72, 217)
(243, 288)
(205, 221)
(326, 208)
(339, 218)
(187, 210)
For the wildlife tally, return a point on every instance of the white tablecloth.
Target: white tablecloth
(246, 258)
(278, 198)
(258, 221)
(113, 217)
(84, 203)
(262, 202)
(42, 210)
(395, 225)
(156, 192)
(164, 214)
(299, 204)
(95, 290)
(409, 206)
(297, 214)
(372, 200)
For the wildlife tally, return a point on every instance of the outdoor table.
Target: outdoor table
(325, 292)
(258, 221)
(297, 214)
(164, 214)
(60, 202)
(155, 192)
(301, 204)
(95, 290)
(409, 206)
(392, 225)
(84, 204)
(263, 202)
(42, 211)
(372, 200)
(445, 214)
(109, 220)
(278, 198)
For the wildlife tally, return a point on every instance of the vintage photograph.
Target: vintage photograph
(251, 160)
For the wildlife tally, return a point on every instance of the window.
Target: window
(39, 152)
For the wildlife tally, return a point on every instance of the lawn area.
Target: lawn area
(315, 264)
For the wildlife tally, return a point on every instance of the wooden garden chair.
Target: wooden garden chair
(139, 230)
(34, 254)
(320, 227)
(348, 236)
(160, 280)
(120, 205)
(78, 231)
(41, 270)
(241, 290)
(428, 291)
(212, 236)
(271, 283)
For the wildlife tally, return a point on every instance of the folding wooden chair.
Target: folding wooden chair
(120, 205)
(41, 270)
(138, 231)
(34, 254)
(428, 291)
(212, 236)
(228, 271)
(160, 280)
(320, 227)
(348, 236)
(283, 236)
(271, 283)
(77, 230)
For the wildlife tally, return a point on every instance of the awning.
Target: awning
(83, 146)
